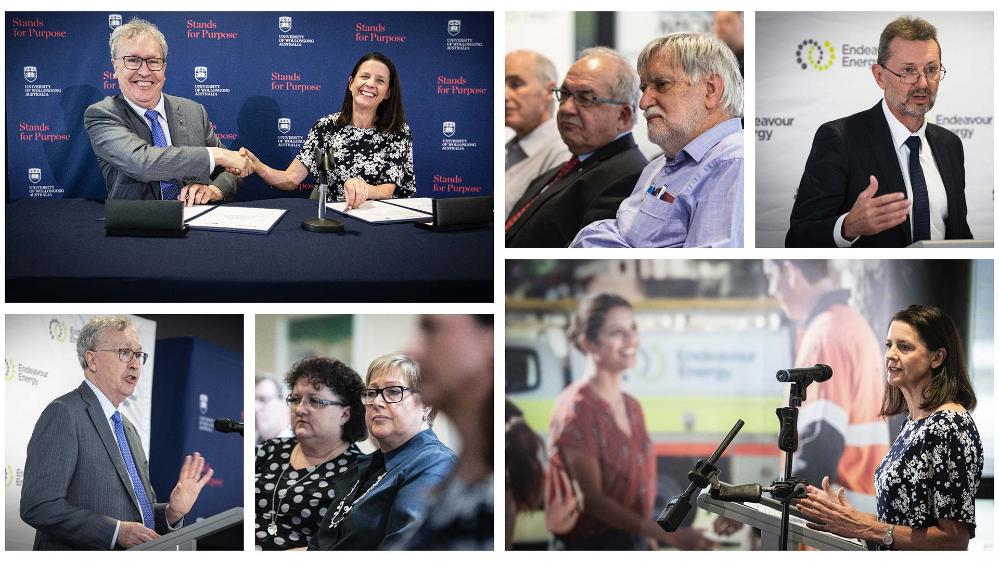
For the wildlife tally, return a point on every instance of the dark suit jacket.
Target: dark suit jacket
(591, 192)
(845, 153)
(76, 486)
(133, 168)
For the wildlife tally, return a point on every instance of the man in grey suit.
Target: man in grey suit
(86, 478)
(153, 146)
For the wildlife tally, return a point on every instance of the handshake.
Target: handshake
(239, 163)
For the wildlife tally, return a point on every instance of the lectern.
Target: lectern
(219, 532)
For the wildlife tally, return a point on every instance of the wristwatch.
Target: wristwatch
(888, 539)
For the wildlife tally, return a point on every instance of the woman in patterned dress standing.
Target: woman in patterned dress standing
(926, 486)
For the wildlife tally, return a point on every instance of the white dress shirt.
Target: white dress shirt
(544, 149)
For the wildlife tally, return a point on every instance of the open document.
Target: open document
(373, 211)
(237, 219)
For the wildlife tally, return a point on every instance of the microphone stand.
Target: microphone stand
(787, 441)
(704, 474)
(321, 223)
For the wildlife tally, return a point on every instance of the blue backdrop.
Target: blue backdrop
(264, 78)
(195, 383)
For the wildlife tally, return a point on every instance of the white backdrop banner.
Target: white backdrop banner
(816, 67)
(41, 362)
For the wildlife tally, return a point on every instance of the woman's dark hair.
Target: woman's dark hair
(524, 451)
(590, 316)
(949, 382)
(343, 381)
(390, 117)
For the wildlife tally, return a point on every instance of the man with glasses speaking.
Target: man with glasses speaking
(150, 145)
(86, 479)
(885, 177)
(597, 104)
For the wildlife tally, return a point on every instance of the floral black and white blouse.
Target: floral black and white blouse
(368, 154)
(931, 472)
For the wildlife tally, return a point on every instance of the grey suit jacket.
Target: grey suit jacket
(133, 167)
(76, 486)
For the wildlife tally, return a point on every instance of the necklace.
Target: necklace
(272, 527)
(337, 517)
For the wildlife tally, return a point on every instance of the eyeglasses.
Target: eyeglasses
(390, 394)
(910, 75)
(125, 354)
(583, 99)
(294, 400)
(134, 63)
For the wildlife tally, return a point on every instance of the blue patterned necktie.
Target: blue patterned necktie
(167, 188)
(133, 473)
(920, 197)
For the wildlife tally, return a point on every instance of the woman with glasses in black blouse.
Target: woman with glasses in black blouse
(296, 476)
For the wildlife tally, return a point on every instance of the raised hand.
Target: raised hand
(189, 485)
(871, 215)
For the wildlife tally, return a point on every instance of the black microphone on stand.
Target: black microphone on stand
(818, 373)
(226, 425)
(320, 223)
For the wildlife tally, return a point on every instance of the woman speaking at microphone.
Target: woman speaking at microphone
(369, 143)
(925, 487)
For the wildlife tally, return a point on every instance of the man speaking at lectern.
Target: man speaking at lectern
(884, 177)
(86, 478)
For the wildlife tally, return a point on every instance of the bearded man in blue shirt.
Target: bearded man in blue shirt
(692, 195)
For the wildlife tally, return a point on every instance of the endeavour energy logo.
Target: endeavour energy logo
(57, 330)
(820, 56)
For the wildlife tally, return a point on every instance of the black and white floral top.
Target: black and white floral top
(931, 472)
(290, 503)
(375, 157)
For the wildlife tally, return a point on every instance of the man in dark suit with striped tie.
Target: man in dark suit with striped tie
(885, 177)
(597, 104)
(86, 478)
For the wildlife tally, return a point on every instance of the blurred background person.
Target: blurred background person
(841, 433)
(455, 355)
(728, 26)
(295, 476)
(529, 107)
(369, 137)
(388, 500)
(270, 410)
(927, 483)
(599, 438)
(526, 487)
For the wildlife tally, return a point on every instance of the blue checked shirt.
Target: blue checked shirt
(694, 200)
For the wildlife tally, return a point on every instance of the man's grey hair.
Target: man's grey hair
(626, 88)
(279, 385)
(699, 55)
(133, 29)
(90, 334)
